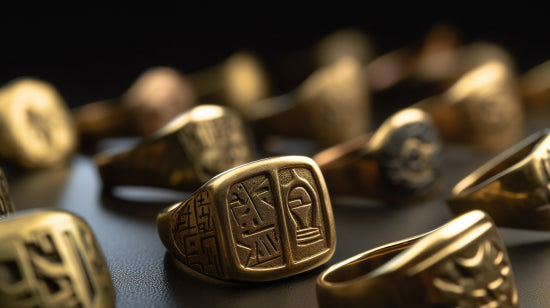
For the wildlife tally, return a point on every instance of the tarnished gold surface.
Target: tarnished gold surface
(401, 161)
(512, 187)
(265, 220)
(182, 155)
(463, 263)
(6, 204)
(237, 82)
(36, 128)
(158, 95)
(482, 108)
(330, 106)
(535, 86)
(52, 259)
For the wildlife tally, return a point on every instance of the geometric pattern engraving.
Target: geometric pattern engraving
(479, 276)
(195, 235)
(53, 268)
(301, 202)
(255, 225)
(6, 205)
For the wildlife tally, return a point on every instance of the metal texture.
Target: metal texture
(512, 187)
(332, 105)
(36, 128)
(156, 96)
(399, 162)
(51, 259)
(184, 154)
(463, 263)
(265, 220)
(482, 108)
(6, 204)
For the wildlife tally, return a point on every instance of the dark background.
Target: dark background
(97, 52)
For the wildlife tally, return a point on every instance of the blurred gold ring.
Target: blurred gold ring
(184, 154)
(52, 259)
(512, 187)
(463, 263)
(37, 128)
(265, 220)
(399, 161)
(6, 205)
(482, 108)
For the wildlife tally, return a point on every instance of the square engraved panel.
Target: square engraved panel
(195, 234)
(254, 223)
(477, 274)
(304, 208)
(50, 267)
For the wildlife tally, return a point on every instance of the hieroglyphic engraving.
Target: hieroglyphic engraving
(54, 268)
(304, 212)
(195, 235)
(411, 160)
(478, 276)
(255, 225)
(6, 205)
(215, 145)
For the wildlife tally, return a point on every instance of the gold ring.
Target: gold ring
(52, 259)
(512, 187)
(400, 161)
(156, 96)
(482, 108)
(330, 106)
(182, 155)
(6, 205)
(463, 263)
(37, 128)
(265, 220)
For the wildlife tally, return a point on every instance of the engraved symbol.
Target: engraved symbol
(478, 278)
(302, 202)
(256, 231)
(41, 126)
(545, 207)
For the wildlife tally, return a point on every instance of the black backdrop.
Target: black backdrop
(97, 52)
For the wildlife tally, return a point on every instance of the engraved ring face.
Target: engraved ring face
(264, 220)
(410, 161)
(464, 263)
(52, 259)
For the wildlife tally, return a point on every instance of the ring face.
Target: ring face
(410, 161)
(461, 264)
(264, 220)
(6, 205)
(52, 259)
(216, 144)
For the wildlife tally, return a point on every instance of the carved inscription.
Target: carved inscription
(255, 223)
(216, 145)
(258, 212)
(411, 160)
(479, 276)
(6, 205)
(54, 268)
(195, 235)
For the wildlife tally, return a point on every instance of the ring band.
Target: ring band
(156, 96)
(265, 220)
(37, 128)
(330, 106)
(512, 187)
(482, 108)
(184, 154)
(6, 204)
(399, 161)
(52, 259)
(463, 263)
